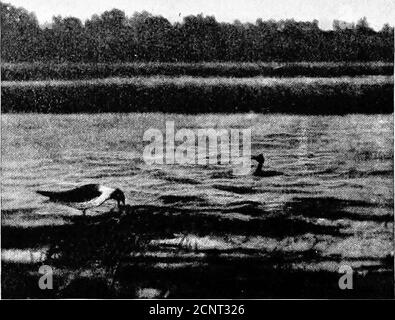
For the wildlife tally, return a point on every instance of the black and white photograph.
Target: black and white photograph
(197, 149)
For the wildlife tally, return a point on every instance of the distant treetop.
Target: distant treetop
(115, 37)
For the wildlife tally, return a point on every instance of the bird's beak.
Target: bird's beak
(253, 158)
(121, 203)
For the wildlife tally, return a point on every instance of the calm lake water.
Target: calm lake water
(336, 194)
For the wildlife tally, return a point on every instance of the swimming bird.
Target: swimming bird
(86, 196)
(258, 171)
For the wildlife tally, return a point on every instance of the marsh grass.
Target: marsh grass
(201, 95)
(74, 71)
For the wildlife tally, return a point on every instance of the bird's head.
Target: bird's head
(119, 196)
(259, 158)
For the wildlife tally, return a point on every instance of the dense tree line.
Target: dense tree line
(115, 37)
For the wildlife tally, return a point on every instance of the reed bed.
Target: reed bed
(72, 71)
(303, 95)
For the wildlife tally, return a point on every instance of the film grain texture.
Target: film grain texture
(102, 198)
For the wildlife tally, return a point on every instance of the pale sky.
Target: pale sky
(377, 12)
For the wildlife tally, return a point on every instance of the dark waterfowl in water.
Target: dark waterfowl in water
(86, 197)
(266, 173)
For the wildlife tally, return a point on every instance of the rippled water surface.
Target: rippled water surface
(335, 198)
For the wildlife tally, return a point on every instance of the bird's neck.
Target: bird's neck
(259, 167)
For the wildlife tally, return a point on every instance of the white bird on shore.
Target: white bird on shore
(86, 196)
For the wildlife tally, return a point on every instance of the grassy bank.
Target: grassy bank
(71, 71)
(373, 94)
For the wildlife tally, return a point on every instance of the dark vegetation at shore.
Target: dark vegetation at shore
(223, 278)
(112, 255)
(202, 95)
(114, 37)
(76, 71)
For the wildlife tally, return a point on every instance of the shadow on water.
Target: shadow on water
(335, 209)
(159, 221)
(177, 199)
(182, 180)
(115, 254)
(236, 189)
